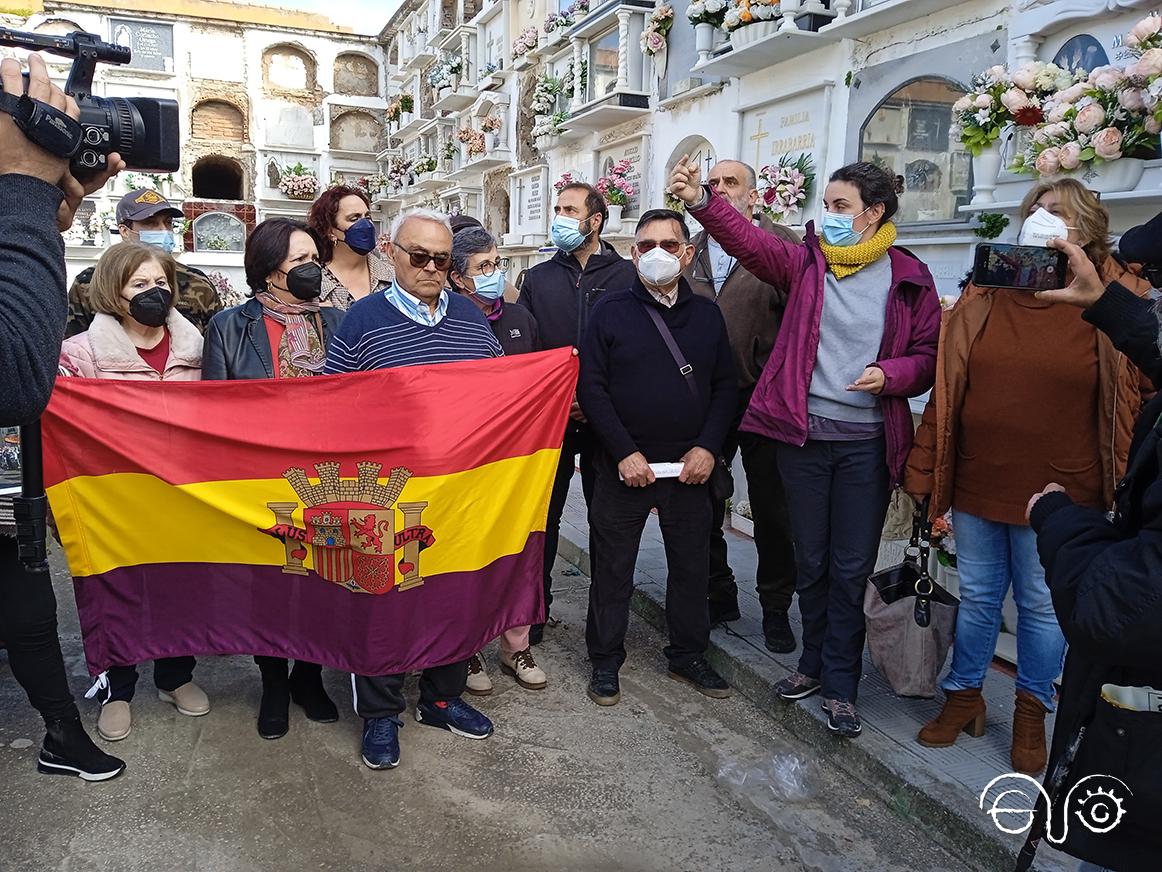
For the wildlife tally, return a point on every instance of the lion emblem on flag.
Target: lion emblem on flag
(350, 523)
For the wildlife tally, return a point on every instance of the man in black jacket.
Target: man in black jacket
(38, 199)
(1105, 576)
(560, 293)
(647, 407)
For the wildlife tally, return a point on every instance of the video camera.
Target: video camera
(143, 130)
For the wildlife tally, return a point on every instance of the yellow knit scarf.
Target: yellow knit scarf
(847, 259)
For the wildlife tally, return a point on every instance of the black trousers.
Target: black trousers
(274, 668)
(616, 520)
(169, 673)
(838, 493)
(381, 696)
(775, 577)
(579, 439)
(29, 630)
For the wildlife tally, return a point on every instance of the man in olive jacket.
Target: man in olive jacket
(752, 310)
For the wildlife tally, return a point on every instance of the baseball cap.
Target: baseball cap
(143, 203)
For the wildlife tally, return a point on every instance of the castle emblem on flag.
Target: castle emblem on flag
(350, 523)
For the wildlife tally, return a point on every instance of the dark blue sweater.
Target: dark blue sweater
(377, 335)
(630, 387)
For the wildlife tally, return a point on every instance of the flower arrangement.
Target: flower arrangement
(449, 149)
(944, 541)
(571, 79)
(990, 225)
(488, 69)
(545, 94)
(225, 289)
(491, 124)
(298, 182)
(104, 219)
(526, 42)
(474, 139)
(614, 186)
(656, 30)
(745, 12)
(399, 173)
(442, 73)
(382, 242)
(425, 163)
(549, 125)
(785, 186)
(567, 17)
(1144, 42)
(998, 99)
(402, 103)
(566, 179)
(707, 12)
(1102, 119)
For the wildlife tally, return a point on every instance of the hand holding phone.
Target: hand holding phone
(1021, 267)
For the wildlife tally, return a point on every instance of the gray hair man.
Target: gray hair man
(414, 321)
(753, 310)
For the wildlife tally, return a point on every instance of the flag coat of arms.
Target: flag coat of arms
(374, 522)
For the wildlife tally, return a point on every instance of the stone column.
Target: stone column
(623, 50)
(578, 57)
(1023, 50)
(466, 74)
(790, 10)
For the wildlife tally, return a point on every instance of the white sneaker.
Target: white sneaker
(524, 669)
(479, 684)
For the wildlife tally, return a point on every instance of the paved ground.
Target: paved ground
(562, 785)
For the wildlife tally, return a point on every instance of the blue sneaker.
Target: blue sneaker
(456, 716)
(381, 742)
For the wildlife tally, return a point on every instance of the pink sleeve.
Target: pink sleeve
(770, 258)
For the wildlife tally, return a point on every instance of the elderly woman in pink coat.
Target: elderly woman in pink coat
(137, 335)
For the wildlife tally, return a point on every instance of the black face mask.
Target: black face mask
(151, 307)
(305, 281)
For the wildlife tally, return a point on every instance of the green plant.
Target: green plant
(990, 225)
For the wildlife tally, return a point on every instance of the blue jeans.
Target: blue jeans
(990, 556)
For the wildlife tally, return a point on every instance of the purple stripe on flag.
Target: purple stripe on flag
(139, 613)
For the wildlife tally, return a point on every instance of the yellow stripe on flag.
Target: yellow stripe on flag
(131, 519)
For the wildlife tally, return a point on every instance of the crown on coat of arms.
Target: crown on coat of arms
(364, 489)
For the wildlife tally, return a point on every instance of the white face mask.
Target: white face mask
(1042, 226)
(658, 267)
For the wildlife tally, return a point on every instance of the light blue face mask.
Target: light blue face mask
(840, 230)
(489, 288)
(566, 233)
(163, 239)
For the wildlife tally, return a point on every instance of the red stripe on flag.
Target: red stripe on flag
(434, 420)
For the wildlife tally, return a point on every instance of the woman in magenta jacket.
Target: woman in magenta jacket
(858, 338)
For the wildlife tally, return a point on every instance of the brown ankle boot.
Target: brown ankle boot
(1028, 754)
(963, 710)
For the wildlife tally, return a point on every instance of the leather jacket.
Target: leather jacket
(237, 345)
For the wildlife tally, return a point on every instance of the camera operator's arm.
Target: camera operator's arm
(1106, 588)
(1127, 319)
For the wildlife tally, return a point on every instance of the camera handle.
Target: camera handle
(30, 509)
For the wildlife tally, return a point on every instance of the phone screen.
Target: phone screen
(1023, 267)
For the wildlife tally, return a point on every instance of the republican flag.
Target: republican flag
(374, 522)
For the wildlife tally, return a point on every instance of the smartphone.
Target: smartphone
(1021, 267)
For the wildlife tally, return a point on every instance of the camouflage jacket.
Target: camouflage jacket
(196, 298)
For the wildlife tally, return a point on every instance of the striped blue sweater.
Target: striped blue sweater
(376, 335)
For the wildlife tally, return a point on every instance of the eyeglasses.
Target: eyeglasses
(420, 259)
(488, 267)
(670, 246)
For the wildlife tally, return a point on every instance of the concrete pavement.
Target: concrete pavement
(562, 785)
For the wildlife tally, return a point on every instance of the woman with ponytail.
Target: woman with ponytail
(858, 338)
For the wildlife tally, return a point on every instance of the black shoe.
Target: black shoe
(796, 686)
(274, 710)
(68, 750)
(777, 635)
(721, 612)
(699, 674)
(842, 718)
(536, 634)
(306, 690)
(604, 688)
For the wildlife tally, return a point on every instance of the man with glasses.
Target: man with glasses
(753, 311)
(415, 321)
(658, 387)
(478, 272)
(560, 293)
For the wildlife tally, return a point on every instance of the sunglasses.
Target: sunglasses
(420, 259)
(669, 246)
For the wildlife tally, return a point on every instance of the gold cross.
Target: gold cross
(757, 139)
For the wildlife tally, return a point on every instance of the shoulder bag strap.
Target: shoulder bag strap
(683, 367)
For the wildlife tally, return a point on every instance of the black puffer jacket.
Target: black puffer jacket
(1106, 580)
(237, 345)
(560, 295)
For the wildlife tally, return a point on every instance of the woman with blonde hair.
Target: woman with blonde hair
(138, 335)
(1027, 392)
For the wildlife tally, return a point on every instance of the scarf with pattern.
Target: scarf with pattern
(300, 351)
(844, 260)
